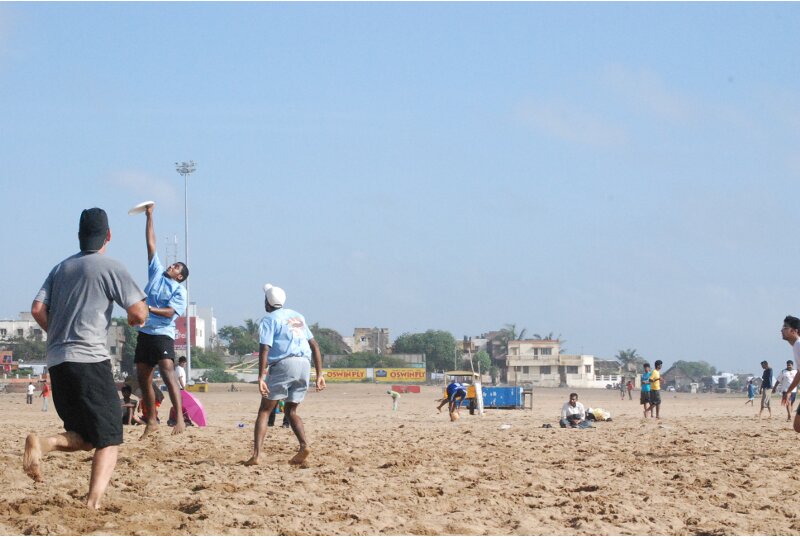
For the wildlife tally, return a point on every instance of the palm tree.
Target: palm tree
(629, 359)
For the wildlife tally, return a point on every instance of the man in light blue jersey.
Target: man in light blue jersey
(286, 348)
(155, 345)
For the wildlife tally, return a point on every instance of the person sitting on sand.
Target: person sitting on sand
(573, 414)
(287, 346)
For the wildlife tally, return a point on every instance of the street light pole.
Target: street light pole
(185, 169)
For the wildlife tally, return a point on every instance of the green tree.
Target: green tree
(28, 349)
(630, 360)
(329, 340)
(482, 357)
(438, 346)
(207, 358)
(369, 359)
(696, 370)
(242, 339)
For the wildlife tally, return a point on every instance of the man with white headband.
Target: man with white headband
(286, 348)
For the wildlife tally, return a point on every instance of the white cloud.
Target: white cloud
(646, 89)
(568, 121)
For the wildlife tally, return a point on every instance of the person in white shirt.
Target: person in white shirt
(180, 372)
(789, 333)
(573, 414)
(29, 396)
(784, 381)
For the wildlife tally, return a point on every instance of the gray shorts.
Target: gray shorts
(288, 379)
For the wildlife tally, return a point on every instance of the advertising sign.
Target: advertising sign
(400, 374)
(344, 375)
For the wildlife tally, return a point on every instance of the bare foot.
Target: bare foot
(301, 456)
(253, 461)
(149, 430)
(179, 427)
(31, 457)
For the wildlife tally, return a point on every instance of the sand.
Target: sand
(708, 467)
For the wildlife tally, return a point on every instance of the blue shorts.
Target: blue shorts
(289, 379)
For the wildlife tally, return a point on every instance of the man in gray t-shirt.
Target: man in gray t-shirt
(74, 307)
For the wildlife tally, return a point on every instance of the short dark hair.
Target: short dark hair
(182, 359)
(792, 322)
(646, 364)
(764, 362)
(126, 388)
(658, 363)
(184, 270)
(575, 395)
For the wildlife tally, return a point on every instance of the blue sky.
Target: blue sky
(621, 174)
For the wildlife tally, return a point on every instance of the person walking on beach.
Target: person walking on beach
(29, 395)
(784, 381)
(629, 387)
(155, 344)
(287, 346)
(751, 392)
(74, 307)
(764, 390)
(644, 395)
(655, 389)
(622, 388)
(395, 398)
(45, 395)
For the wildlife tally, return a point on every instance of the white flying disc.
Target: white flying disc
(141, 207)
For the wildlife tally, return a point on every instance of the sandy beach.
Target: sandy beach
(708, 467)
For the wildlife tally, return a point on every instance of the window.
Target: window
(37, 332)
(3, 332)
(547, 351)
(20, 332)
(514, 351)
(544, 370)
(525, 370)
(588, 369)
(572, 370)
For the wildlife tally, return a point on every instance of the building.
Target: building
(25, 327)
(679, 379)
(210, 337)
(374, 340)
(539, 362)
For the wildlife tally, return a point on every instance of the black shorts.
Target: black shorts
(85, 397)
(644, 397)
(152, 349)
(655, 397)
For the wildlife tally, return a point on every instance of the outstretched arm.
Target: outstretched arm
(150, 233)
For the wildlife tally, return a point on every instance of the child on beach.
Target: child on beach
(751, 393)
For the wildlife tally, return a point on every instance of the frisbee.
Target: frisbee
(141, 207)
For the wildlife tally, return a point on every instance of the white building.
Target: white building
(209, 327)
(25, 327)
(539, 362)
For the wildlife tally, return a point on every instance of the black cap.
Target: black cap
(93, 229)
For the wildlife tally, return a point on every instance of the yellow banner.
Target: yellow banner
(343, 375)
(404, 374)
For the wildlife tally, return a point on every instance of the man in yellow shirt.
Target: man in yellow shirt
(655, 390)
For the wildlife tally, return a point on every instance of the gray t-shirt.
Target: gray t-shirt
(80, 293)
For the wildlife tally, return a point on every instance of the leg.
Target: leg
(144, 373)
(167, 368)
(103, 463)
(261, 429)
(797, 422)
(271, 420)
(297, 428)
(35, 447)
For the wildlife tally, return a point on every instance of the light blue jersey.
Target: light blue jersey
(286, 333)
(162, 292)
